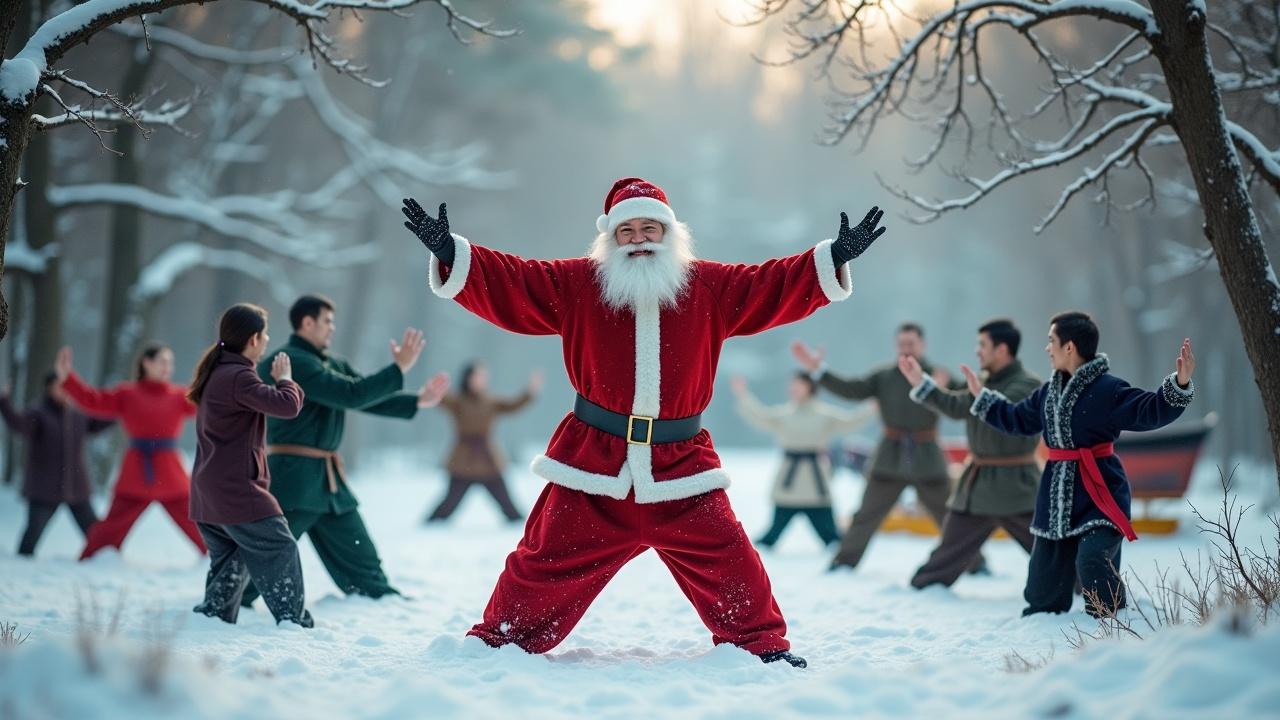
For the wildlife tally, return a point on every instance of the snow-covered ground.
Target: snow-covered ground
(876, 648)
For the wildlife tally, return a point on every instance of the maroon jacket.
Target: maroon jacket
(55, 435)
(230, 483)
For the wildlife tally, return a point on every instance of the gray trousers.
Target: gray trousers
(264, 551)
(879, 498)
(963, 535)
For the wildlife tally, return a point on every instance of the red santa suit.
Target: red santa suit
(609, 499)
(152, 414)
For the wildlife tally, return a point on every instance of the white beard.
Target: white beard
(628, 281)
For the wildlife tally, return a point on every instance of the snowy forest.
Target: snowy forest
(162, 160)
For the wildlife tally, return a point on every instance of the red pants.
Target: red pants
(575, 542)
(111, 530)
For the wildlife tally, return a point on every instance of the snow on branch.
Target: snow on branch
(934, 73)
(1265, 162)
(257, 222)
(18, 255)
(21, 76)
(163, 272)
(167, 115)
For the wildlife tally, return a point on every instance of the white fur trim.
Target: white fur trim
(647, 400)
(835, 282)
(636, 207)
(457, 273)
(588, 482)
(982, 404)
(1174, 395)
(921, 391)
(602, 223)
(649, 490)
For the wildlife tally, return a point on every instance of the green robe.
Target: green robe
(894, 458)
(332, 387)
(1007, 490)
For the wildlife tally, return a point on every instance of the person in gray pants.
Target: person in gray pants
(231, 503)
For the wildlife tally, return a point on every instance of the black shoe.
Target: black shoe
(838, 565)
(793, 660)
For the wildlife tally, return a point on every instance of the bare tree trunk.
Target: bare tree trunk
(125, 262)
(46, 286)
(1230, 223)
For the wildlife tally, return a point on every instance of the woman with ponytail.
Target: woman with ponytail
(152, 410)
(231, 501)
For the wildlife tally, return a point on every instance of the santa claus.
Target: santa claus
(641, 321)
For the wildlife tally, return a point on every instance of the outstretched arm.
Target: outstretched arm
(993, 408)
(754, 298)
(768, 419)
(523, 296)
(1137, 409)
(90, 400)
(20, 422)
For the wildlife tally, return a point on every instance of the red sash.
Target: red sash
(1091, 477)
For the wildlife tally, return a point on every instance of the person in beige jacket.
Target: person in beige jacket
(803, 428)
(475, 460)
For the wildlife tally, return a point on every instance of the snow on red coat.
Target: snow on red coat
(653, 362)
(147, 410)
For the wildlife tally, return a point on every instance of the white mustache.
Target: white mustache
(631, 250)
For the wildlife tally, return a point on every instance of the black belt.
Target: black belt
(636, 429)
(794, 458)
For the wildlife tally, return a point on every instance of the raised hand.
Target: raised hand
(975, 385)
(738, 384)
(406, 353)
(911, 370)
(808, 358)
(536, 380)
(1186, 363)
(433, 232)
(434, 391)
(62, 364)
(852, 242)
(281, 367)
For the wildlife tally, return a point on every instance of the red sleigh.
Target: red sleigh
(1159, 465)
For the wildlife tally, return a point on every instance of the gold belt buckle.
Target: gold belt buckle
(648, 436)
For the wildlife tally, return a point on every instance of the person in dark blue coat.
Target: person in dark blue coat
(1082, 507)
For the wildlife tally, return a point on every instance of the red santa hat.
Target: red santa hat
(632, 198)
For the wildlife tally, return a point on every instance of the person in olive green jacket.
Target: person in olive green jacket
(998, 485)
(908, 453)
(307, 475)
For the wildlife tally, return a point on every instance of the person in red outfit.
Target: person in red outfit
(152, 410)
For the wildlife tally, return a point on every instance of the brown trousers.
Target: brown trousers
(963, 535)
(877, 500)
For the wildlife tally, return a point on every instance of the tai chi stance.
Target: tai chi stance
(804, 427)
(997, 488)
(153, 411)
(239, 519)
(1082, 510)
(474, 460)
(308, 477)
(641, 322)
(55, 474)
(908, 454)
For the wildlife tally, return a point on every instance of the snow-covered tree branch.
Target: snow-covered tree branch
(1162, 74)
(30, 73)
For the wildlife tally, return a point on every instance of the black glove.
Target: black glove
(433, 232)
(853, 242)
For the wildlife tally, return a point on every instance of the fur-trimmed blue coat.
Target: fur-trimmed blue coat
(1088, 408)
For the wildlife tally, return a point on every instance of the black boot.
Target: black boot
(793, 660)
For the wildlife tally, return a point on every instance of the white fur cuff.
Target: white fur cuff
(983, 403)
(835, 282)
(457, 273)
(1175, 395)
(921, 391)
